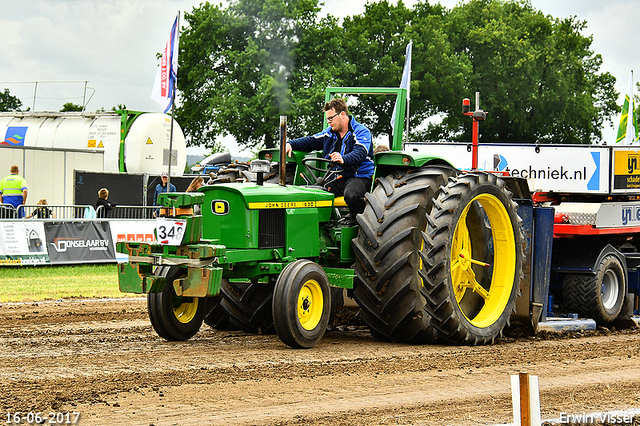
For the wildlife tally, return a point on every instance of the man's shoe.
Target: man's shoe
(348, 220)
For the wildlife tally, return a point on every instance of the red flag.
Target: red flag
(166, 76)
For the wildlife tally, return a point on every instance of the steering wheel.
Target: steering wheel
(327, 174)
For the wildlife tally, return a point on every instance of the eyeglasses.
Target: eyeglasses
(330, 119)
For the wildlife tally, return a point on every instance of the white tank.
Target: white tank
(146, 144)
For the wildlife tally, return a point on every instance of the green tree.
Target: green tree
(244, 65)
(537, 77)
(70, 106)
(236, 64)
(8, 102)
(376, 42)
(319, 59)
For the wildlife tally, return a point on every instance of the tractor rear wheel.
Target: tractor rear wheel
(388, 287)
(301, 304)
(248, 305)
(218, 318)
(174, 317)
(472, 255)
(598, 296)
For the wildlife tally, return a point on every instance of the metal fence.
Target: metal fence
(7, 211)
(55, 211)
(128, 212)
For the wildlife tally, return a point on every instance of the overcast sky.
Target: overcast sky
(112, 45)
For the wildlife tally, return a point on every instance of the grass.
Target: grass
(59, 282)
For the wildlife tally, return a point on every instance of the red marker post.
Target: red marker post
(478, 115)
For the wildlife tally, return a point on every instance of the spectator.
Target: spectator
(103, 207)
(42, 212)
(13, 190)
(193, 187)
(162, 187)
(195, 184)
(380, 148)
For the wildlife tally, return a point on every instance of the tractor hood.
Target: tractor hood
(271, 196)
(246, 215)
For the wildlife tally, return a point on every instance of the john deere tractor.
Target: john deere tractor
(435, 257)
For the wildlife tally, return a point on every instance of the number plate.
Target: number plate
(170, 232)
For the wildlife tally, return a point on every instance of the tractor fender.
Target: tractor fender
(581, 258)
(388, 161)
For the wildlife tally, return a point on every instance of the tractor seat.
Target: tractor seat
(339, 202)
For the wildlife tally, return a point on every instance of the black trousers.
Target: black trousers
(353, 190)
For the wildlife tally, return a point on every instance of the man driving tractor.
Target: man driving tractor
(348, 144)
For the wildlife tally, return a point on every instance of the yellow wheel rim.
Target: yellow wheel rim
(310, 305)
(185, 312)
(494, 299)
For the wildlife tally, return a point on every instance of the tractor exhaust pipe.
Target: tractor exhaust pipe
(283, 150)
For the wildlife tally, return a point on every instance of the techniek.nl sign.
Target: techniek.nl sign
(557, 169)
(566, 169)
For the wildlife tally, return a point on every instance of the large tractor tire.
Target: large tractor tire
(248, 306)
(598, 296)
(301, 304)
(388, 287)
(472, 256)
(218, 318)
(174, 317)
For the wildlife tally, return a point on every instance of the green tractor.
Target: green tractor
(437, 255)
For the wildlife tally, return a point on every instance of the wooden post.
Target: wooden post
(525, 406)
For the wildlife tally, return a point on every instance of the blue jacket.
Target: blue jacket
(160, 189)
(357, 149)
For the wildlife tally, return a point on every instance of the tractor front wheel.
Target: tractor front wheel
(301, 304)
(174, 317)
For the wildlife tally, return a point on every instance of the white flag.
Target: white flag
(166, 76)
(406, 80)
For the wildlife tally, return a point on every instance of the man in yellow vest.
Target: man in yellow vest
(13, 189)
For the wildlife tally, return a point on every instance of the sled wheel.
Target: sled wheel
(248, 305)
(598, 296)
(388, 288)
(174, 317)
(472, 259)
(301, 304)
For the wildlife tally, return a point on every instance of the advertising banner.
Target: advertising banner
(626, 170)
(79, 242)
(131, 230)
(22, 244)
(618, 215)
(558, 168)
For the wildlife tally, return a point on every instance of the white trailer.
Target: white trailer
(49, 146)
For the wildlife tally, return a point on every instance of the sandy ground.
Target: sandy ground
(101, 359)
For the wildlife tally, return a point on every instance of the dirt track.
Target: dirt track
(103, 360)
